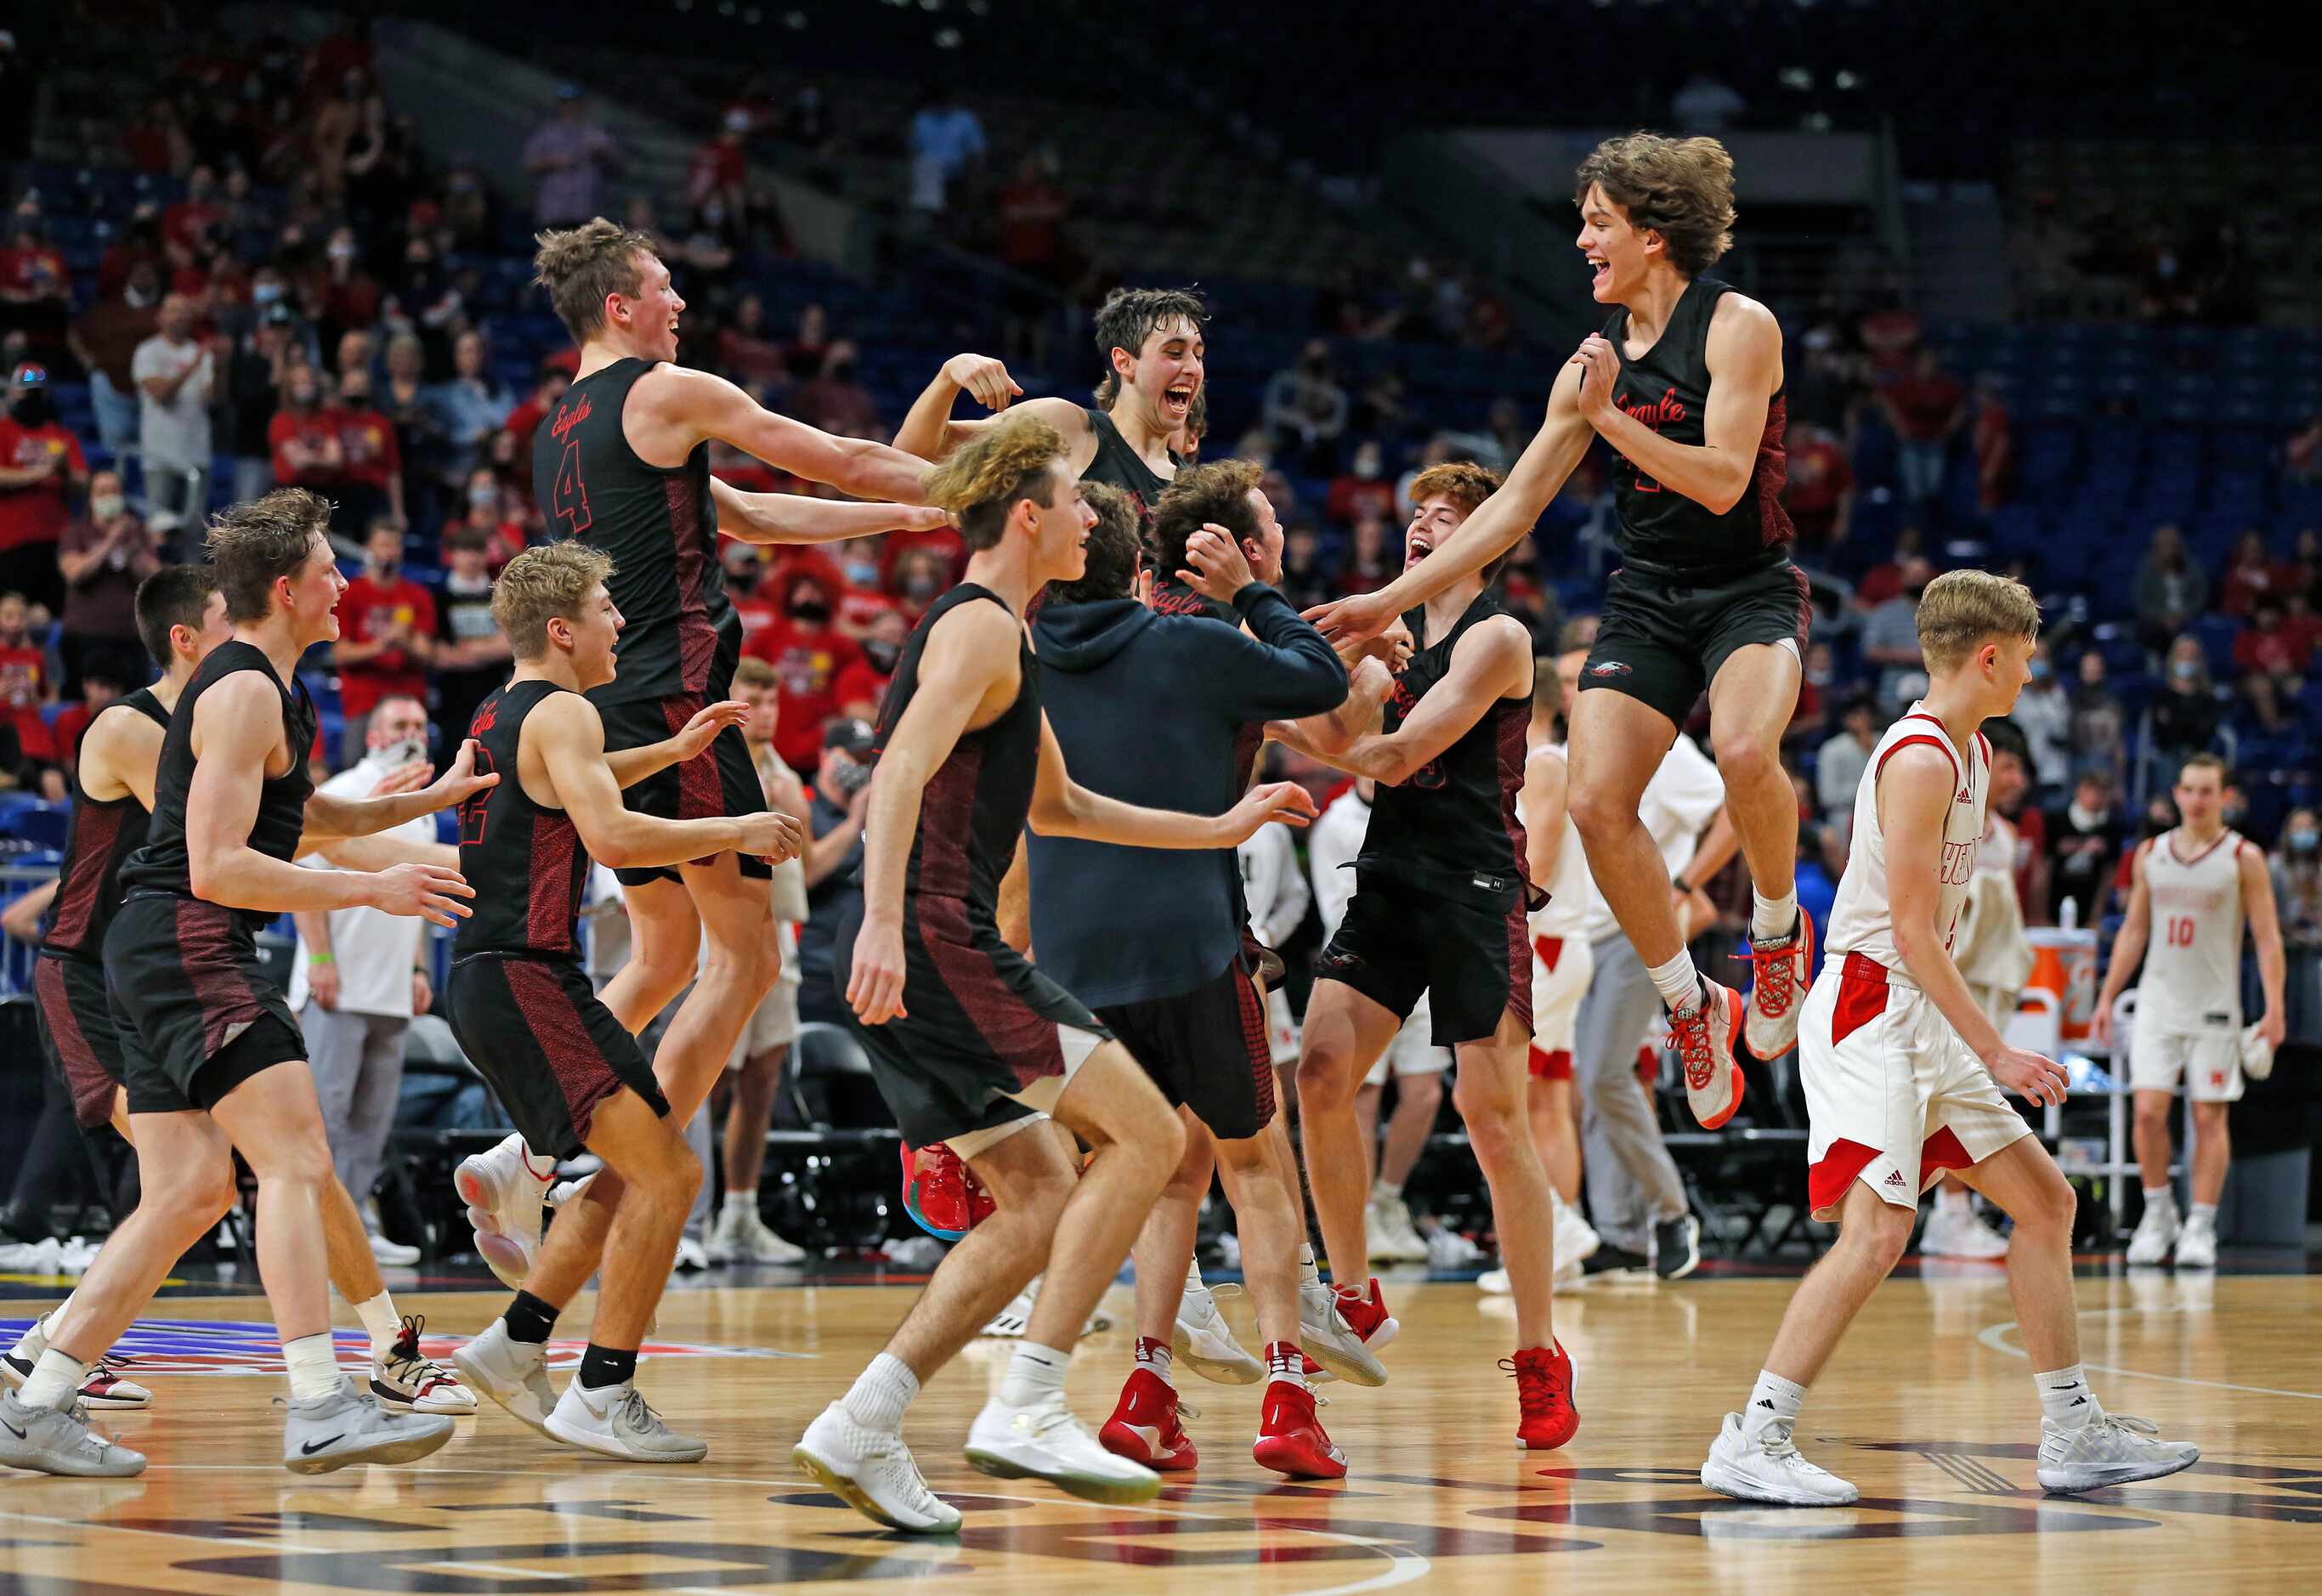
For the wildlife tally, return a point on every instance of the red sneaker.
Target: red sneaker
(1703, 1031)
(1290, 1439)
(1143, 1426)
(941, 1193)
(1543, 1398)
(1369, 1320)
(1780, 974)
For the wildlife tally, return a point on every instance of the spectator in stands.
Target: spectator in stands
(1890, 335)
(1703, 104)
(386, 625)
(862, 685)
(810, 345)
(745, 351)
(720, 170)
(2252, 572)
(2272, 658)
(1839, 764)
(920, 576)
(840, 798)
(2297, 879)
(485, 510)
(2100, 732)
(946, 142)
(471, 656)
(1926, 407)
(25, 689)
(357, 979)
(571, 156)
(257, 376)
(2170, 589)
(2185, 711)
(1883, 581)
(1305, 582)
(1820, 493)
(98, 690)
(1991, 435)
(104, 554)
(2044, 714)
(105, 342)
(1305, 408)
(1890, 637)
(350, 296)
(1363, 488)
(408, 401)
(348, 127)
(1031, 217)
(35, 286)
(176, 376)
(42, 468)
(548, 385)
(808, 653)
(1371, 563)
(835, 401)
(303, 437)
(2085, 837)
(2026, 832)
(2306, 565)
(2302, 456)
(374, 458)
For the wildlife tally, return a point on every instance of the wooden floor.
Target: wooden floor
(1929, 1409)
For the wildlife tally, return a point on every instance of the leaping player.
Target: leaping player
(1903, 1073)
(1685, 382)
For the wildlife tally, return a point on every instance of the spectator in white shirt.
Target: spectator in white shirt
(176, 375)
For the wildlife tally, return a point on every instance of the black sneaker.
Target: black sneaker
(1677, 1248)
(1608, 1259)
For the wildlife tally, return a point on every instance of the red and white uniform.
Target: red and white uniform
(1561, 959)
(2188, 998)
(1894, 1098)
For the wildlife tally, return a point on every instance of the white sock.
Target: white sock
(739, 1201)
(314, 1366)
(56, 1379)
(34, 1341)
(1194, 1276)
(1159, 1357)
(1677, 981)
(880, 1393)
(1385, 1190)
(1953, 1200)
(1308, 1274)
(2065, 1398)
(1034, 1372)
(378, 1316)
(2202, 1213)
(1284, 1361)
(1772, 1401)
(2163, 1198)
(1772, 919)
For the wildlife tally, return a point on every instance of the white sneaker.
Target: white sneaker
(513, 1374)
(407, 1381)
(2156, 1233)
(1205, 1342)
(872, 1471)
(2110, 1449)
(1008, 1323)
(1703, 1034)
(1493, 1282)
(1768, 1467)
(1394, 1238)
(1325, 1335)
(1782, 971)
(691, 1257)
(1047, 1442)
(395, 1255)
(2197, 1244)
(503, 1201)
(105, 1390)
(1954, 1235)
(1576, 1238)
(1448, 1249)
(627, 1428)
(741, 1237)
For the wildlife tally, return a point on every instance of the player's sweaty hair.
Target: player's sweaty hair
(253, 544)
(1962, 610)
(1681, 188)
(1113, 544)
(1467, 484)
(578, 266)
(1128, 316)
(172, 597)
(979, 480)
(542, 585)
(1217, 494)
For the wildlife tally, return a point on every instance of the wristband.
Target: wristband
(1683, 887)
(323, 958)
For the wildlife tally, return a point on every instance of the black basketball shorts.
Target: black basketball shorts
(548, 1048)
(78, 1034)
(1399, 941)
(195, 1011)
(721, 782)
(1664, 634)
(1207, 1050)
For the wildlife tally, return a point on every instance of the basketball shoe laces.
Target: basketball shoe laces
(1774, 982)
(407, 1364)
(108, 1367)
(1690, 1029)
(1539, 1393)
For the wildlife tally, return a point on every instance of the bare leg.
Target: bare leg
(659, 1176)
(2156, 1147)
(1366, 1115)
(739, 962)
(1346, 1033)
(276, 1121)
(347, 1244)
(1416, 1098)
(1272, 1224)
(1165, 1247)
(2213, 1152)
(664, 950)
(2024, 1182)
(747, 1118)
(185, 1168)
(1030, 1181)
(1490, 1098)
(1617, 744)
(1871, 1235)
(1556, 1132)
(1750, 702)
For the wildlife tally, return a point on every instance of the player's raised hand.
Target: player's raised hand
(408, 777)
(875, 981)
(2029, 1074)
(773, 836)
(427, 890)
(461, 781)
(1600, 369)
(1346, 622)
(1285, 801)
(702, 730)
(984, 377)
(1220, 569)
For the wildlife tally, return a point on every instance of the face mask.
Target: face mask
(265, 293)
(811, 614)
(882, 655)
(106, 507)
(388, 569)
(849, 776)
(2185, 669)
(33, 410)
(921, 586)
(2039, 670)
(342, 252)
(863, 573)
(2305, 842)
(484, 497)
(401, 753)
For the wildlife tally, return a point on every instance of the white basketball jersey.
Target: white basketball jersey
(1572, 893)
(1862, 919)
(2192, 977)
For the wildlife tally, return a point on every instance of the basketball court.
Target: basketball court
(1928, 1408)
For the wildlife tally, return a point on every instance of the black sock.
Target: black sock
(601, 1366)
(529, 1319)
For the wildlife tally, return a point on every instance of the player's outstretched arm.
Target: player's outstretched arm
(795, 519)
(2127, 946)
(632, 765)
(1492, 662)
(682, 406)
(237, 727)
(1498, 524)
(928, 431)
(1061, 807)
(1744, 355)
(1916, 794)
(383, 851)
(2265, 932)
(1543, 799)
(567, 735)
(331, 819)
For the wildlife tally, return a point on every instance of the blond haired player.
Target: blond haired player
(2192, 889)
(1903, 1073)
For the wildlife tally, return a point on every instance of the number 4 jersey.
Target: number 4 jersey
(2192, 979)
(660, 526)
(1862, 919)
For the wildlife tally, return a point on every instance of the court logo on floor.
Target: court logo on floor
(251, 1347)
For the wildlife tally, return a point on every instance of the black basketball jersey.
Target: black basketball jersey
(1666, 388)
(161, 865)
(1451, 827)
(524, 860)
(973, 808)
(1118, 465)
(659, 524)
(104, 833)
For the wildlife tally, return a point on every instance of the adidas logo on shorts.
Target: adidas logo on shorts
(1894, 1178)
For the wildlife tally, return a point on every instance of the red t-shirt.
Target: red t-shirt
(1924, 404)
(368, 439)
(23, 673)
(72, 720)
(859, 689)
(184, 219)
(33, 270)
(857, 609)
(2278, 652)
(808, 664)
(367, 609)
(1351, 495)
(39, 512)
(314, 429)
(1819, 477)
